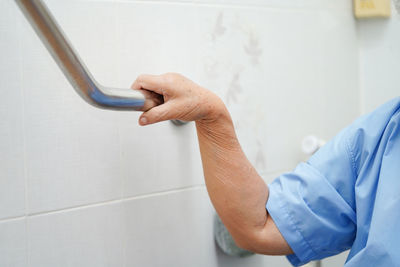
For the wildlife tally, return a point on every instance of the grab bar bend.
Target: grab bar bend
(75, 70)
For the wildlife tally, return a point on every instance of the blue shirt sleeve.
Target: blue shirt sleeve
(314, 207)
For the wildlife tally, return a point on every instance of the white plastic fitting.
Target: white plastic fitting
(311, 144)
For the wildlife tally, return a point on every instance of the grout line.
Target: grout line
(27, 243)
(22, 92)
(24, 153)
(10, 219)
(114, 201)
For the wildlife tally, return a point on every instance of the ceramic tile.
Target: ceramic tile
(84, 237)
(91, 28)
(12, 183)
(162, 156)
(170, 230)
(294, 4)
(254, 261)
(379, 60)
(159, 157)
(72, 148)
(13, 243)
(156, 38)
(176, 229)
(287, 76)
(291, 4)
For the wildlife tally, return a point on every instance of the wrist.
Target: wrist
(214, 110)
(217, 127)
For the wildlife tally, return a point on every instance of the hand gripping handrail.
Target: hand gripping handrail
(75, 70)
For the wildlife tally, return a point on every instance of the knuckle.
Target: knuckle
(172, 77)
(140, 78)
(169, 77)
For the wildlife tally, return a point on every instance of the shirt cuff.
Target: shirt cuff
(278, 209)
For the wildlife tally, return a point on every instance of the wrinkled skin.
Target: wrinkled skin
(237, 192)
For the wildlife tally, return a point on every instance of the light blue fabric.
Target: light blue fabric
(346, 196)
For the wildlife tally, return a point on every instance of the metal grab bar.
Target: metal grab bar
(76, 72)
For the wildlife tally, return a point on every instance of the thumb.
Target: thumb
(156, 114)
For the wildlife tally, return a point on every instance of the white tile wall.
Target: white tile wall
(12, 183)
(169, 43)
(283, 81)
(102, 191)
(159, 158)
(177, 230)
(293, 4)
(379, 60)
(80, 237)
(171, 230)
(254, 261)
(91, 28)
(13, 243)
(73, 153)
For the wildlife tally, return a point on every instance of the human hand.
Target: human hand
(183, 99)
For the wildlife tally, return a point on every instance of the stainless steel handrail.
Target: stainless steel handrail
(75, 70)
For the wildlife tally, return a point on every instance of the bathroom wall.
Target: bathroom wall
(86, 187)
(379, 41)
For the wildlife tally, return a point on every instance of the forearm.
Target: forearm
(237, 192)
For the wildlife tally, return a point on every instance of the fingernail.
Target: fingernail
(143, 120)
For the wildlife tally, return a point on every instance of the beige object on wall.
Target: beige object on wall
(371, 8)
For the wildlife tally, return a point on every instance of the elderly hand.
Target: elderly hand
(183, 99)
